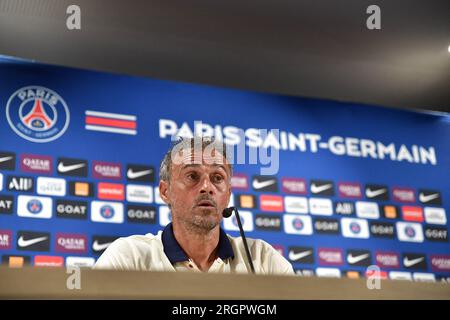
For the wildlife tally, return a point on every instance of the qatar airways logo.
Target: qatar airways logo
(106, 170)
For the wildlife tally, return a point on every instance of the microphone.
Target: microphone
(227, 212)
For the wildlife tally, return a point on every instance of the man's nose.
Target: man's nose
(206, 186)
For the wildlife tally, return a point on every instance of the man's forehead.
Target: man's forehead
(186, 157)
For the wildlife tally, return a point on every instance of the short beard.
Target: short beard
(200, 225)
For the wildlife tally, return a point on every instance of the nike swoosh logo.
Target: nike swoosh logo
(262, 184)
(297, 256)
(424, 198)
(355, 259)
(318, 189)
(26, 243)
(62, 168)
(5, 159)
(409, 263)
(133, 175)
(373, 193)
(100, 247)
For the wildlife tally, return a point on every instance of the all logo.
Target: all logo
(24, 184)
(34, 207)
(301, 255)
(72, 167)
(33, 241)
(344, 208)
(109, 212)
(37, 114)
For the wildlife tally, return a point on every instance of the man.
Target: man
(195, 182)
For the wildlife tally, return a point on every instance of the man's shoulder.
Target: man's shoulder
(140, 239)
(254, 244)
(132, 252)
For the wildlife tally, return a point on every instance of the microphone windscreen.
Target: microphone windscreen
(227, 212)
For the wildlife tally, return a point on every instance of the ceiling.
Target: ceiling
(310, 48)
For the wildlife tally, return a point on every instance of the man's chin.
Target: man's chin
(207, 221)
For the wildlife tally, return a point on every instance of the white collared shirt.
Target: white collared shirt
(146, 253)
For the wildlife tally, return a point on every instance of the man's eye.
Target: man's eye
(218, 178)
(192, 176)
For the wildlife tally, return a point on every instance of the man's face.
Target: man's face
(199, 188)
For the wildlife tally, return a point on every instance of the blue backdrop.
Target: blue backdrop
(390, 167)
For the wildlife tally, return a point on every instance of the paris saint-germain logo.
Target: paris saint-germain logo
(34, 206)
(297, 223)
(37, 114)
(107, 212)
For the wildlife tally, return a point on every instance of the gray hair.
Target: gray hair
(192, 144)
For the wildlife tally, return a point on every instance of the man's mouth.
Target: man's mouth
(206, 203)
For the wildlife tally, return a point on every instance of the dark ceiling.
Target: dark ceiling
(302, 47)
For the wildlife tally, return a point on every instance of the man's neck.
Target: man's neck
(200, 246)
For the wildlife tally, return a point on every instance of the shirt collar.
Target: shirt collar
(175, 253)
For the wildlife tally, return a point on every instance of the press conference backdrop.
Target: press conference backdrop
(353, 186)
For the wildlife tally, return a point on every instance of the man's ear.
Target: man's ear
(164, 191)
